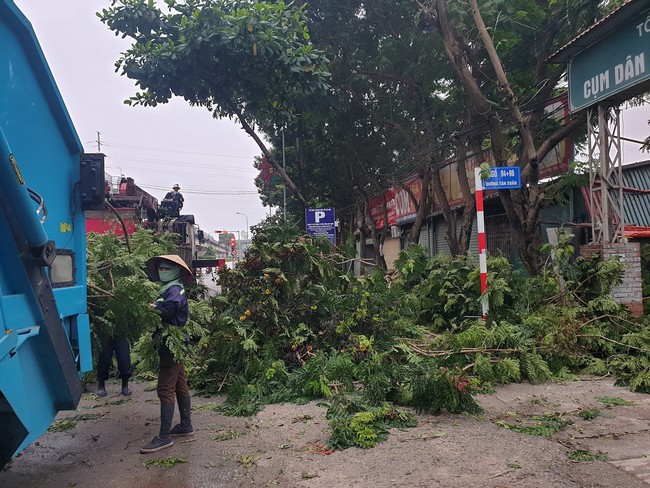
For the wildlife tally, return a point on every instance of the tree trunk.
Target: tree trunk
(422, 207)
(301, 160)
(371, 225)
(360, 228)
(384, 233)
(469, 210)
(521, 206)
(276, 166)
(448, 214)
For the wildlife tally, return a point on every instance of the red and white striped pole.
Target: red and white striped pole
(482, 244)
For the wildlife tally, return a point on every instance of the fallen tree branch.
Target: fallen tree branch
(100, 290)
(119, 217)
(615, 342)
(336, 386)
(467, 350)
(224, 380)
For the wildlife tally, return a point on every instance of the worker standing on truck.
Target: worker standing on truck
(172, 304)
(176, 196)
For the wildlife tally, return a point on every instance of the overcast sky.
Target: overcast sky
(211, 160)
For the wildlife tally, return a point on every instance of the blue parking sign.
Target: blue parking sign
(321, 222)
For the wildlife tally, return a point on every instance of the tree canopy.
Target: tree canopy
(251, 61)
(367, 94)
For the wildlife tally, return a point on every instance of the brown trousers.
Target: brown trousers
(171, 378)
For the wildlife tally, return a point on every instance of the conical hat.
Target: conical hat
(153, 263)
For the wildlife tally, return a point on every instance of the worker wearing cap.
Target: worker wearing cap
(176, 196)
(172, 304)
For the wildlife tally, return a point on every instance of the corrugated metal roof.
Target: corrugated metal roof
(636, 192)
(637, 204)
(600, 29)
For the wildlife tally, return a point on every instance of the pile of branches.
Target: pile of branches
(291, 325)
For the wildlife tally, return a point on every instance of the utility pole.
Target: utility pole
(99, 143)
(284, 167)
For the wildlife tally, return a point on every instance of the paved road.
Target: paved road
(285, 445)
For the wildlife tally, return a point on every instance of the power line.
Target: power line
(206, 165)
(201, 192)
(203, 175)
(149, 148)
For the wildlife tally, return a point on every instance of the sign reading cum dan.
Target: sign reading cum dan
(616, 63)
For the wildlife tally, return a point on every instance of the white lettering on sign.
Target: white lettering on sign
(644, 27)
(596, 84)
(402, 203)
(318, 216)
(629, 70)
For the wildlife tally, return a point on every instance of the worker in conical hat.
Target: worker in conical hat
(172, 272)
(153, 264)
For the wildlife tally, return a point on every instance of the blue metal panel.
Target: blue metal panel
(45, 344)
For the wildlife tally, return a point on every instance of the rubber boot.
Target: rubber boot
(101, 388)
(185, 427)
(126, 391)
(163, 440)
(166, 418)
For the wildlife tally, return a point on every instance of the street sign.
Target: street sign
(616, 63)
(503, 178)
(321, 222)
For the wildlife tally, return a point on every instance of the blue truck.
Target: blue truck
(47, 182)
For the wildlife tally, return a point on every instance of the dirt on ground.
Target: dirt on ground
(606, 443)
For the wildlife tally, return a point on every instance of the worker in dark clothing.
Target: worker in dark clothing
(122, 351)
(172, 304)
(176, 195)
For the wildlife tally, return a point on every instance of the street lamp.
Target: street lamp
(247, 229)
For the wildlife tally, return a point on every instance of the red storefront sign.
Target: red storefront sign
(404, 206)
(399, 205)
(382, 206)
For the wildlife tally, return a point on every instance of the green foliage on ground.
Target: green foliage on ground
(589, 413)
(544, 425)
(292, 326)
(168, 462)
(581, 456)
(68, 423)
(614, 401)
(355, 422)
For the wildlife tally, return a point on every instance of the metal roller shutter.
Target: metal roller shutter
(425, 237)
(440, 232)
(440, 241)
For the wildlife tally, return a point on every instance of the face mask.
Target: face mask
(169, 275)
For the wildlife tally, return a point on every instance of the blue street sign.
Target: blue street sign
(503, 177)
(321, 222)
